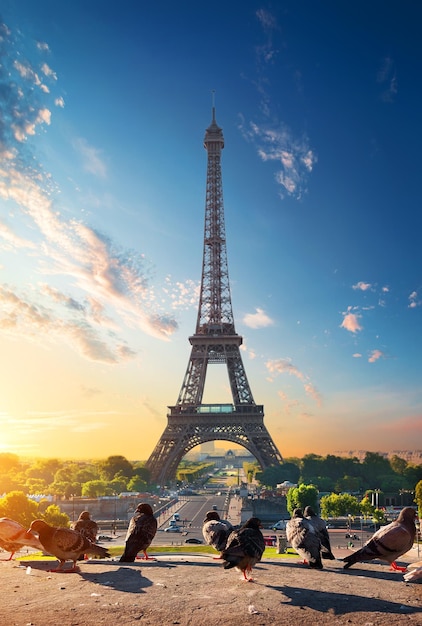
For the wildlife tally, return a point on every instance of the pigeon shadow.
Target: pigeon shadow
(127, 579)
(340, 603)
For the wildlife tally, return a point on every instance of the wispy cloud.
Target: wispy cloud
(91, 158)
(273, 140)
(109, 289)
(387, 78)
(292, 155)
(375, 355)
(362, 286)
(259, 319)
(285, 366)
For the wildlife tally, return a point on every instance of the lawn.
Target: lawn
(115, 551)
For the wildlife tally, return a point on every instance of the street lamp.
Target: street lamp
(115, 513)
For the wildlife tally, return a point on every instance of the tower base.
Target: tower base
(188, 427)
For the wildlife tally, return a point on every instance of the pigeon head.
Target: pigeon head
(38, 526)
(211, 515)
(297, 513)
(143, 507)
(84, 515)
(408, 514)
(308, 512)
(253, 522)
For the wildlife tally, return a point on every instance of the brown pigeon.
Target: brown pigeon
(244, 547)
(86, 526)
(13, 537)
(389, 542)
(140, 533)
(216, 531)
(304, 539)
(321, 530)
(65, 544)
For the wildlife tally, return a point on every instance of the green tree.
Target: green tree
(8, 461)
(55, 517)
(96, 489)
(115, 465)
(302, 496)
(117, 485)
(412, 474)
(44, 469)
(379, 516)
(35, 485)
(339, 505)
(418, 498)
(272, 476)
(137, 484)
(348, 483)
(19, 508)
(375, 468)
(398, 465)
(366, 507)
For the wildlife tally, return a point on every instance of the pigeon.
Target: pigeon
(389, 542)
(216, 531)
(415, 573)
(244, 547)
(321, 530)
(304, 539)
(140, 533)
(13, 537)
(65, 544)
(86, 526)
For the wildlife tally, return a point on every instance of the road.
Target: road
(192, 510)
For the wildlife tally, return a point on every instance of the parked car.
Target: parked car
(280, 525)
(193, 540)
(172, 529)
(104, 538)
(176, 517)
(214, 507)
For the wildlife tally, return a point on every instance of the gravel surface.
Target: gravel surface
(196, 591)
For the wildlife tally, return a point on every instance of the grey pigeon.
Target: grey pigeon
(304, 539)
(65, 544)
(140, 533)
(321, 530)
(216, 531)
(389, 542)
(245, 547)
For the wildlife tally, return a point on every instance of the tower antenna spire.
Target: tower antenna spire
(213, 104)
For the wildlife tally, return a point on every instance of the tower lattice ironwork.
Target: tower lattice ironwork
(190, 422)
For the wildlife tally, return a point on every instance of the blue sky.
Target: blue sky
(102, 192)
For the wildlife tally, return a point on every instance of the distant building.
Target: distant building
(411, 456)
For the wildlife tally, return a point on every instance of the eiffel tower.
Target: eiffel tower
(190, 422)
